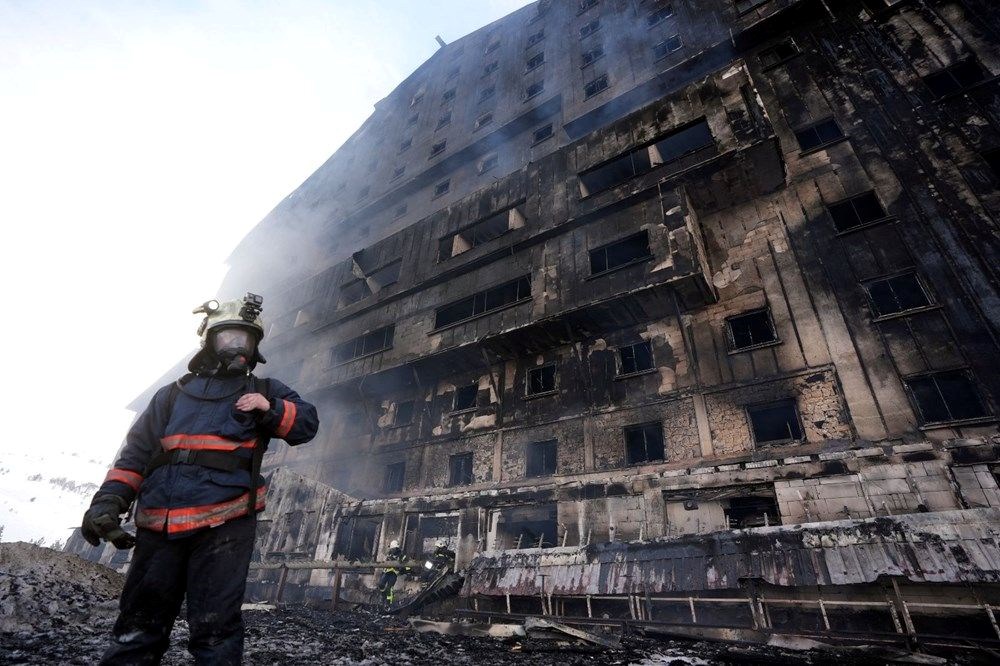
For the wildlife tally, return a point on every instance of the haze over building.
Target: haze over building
(632, 273)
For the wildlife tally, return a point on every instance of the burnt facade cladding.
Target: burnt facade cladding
(616, 272)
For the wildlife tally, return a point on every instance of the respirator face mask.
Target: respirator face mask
(234, 347)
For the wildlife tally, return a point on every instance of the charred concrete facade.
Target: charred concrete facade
(625, 272)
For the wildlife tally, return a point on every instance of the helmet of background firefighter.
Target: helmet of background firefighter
(394, 543)
(230, 334)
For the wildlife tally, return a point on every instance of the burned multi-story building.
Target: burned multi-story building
(632, 301)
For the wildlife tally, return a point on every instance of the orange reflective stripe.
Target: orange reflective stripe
(190, 518)
(204, 443)
(126, 476)
(287, 419)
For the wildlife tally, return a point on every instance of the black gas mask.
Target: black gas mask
(235, 347)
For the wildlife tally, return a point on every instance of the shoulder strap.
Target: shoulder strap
(257, 454)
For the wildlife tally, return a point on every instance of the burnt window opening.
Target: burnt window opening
(490, 67)
(670, 147)
(744, 6)
(857, 211)
(540, 458)
(382, 277)
(442, 188)
(412, 120)
(404, 413)
(585, 5)
(644, 443)
(452, 73)
(483, 121)
(486, 93)
(416, 98)
(627, 251)
(659, 15)
(488, 163)
(460, 469)
(956, 78)
(535, 61)
(992, 159)
(541, 134)
(448, 95)
(590, 28)
(438, 148)
(666, 47)
(354, 291)
(392, 482)
(775, 55)
(492, 46)
(444, 120)
(365, 345)
(399, 212)
(528, 527)
(534, 90)
(424, 531)
(596, 86)
(364, 192)
(591, 55)
(465, 398)
(356, 537)
(541, 380)
(635, 358)
(775, 422)
(480, 232)
(535, 37)
(756, 511)
(405, 145)
(751, 330)
(946, 396)
(398, 172)
(822, 133)
(896, 294)
(484, 302)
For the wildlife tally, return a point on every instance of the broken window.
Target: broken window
(541, 134)
(773, 56)
(745, 512)
(442, 188)
(364, 345)
(490, 67)
(899, 293)
(672, 146)
(486, 93)
(635, 358)
(819, 134)
(659, 15)
(706, 509)
(956, 78)
(465, 398)
(541, 458)
(590, 28)
(438, 148)
(667, 46)
(356, 537)
(488, 163)
(423, 531)
(404, 413)
(595, 86)
(448, 95)
(946, 396)
(353, 291)
(527, 527)
(394, 475)
(460, 469)
(400, 211)
(591, 55)
(534, 89)
(492, 46)
(483, 302)
(481, 232)
(444, 120)
(856, 211)
(627, 251)
(397, 172)
(405, 145)
(535, 61)
(483, 120)
(585, 5)
(750, 330)
(536, 37)
(643, 443)
(541, 380)
(775, 422)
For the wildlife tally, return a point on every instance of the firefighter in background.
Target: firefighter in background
(443, 556)
(193, 461)
(387, 582)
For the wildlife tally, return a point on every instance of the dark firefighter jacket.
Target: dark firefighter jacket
(181, 498)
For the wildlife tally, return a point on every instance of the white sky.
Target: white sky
(139, 141)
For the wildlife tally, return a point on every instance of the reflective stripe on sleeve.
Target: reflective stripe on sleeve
(126, 476)
(287, 419)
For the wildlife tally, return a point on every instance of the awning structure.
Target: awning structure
(942, 547)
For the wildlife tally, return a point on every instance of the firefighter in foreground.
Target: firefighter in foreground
(193, 460)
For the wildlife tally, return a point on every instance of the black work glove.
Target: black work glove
(103, 521)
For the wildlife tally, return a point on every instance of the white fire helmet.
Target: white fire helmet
(394, 543)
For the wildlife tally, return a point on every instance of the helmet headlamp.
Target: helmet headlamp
(208, 307)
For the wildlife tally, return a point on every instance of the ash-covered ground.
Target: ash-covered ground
(56, 608)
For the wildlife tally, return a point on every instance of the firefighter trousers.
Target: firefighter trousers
(210, 569)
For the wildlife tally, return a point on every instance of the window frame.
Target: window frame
(620, 241)
(668, 51)
(652, 20)
(931, 304)
(731, 339)
(389, 337)
(770, 404)
(768, 66)
(619, 363)
(986, 416)
(591, 27)
(545, 471)
(442, 188)
(482, 294)
(396, 423)
(470, 476)
(886, 217)
(593, 81)
(455, 409)
(387, 475)
(629, 462)
(555, 381)
(819, 146)
(534, 134)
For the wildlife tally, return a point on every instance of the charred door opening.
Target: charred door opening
(526, 527)
(356, 537)
(423, 531)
